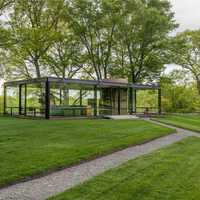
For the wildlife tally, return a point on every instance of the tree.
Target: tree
(94, 22)
(99, 38)
(64, 58)
(175, 89)
(143, 40)
(5, 4)
(35, 27)
(187, 53)
(4, 33)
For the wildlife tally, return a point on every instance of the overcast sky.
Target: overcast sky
(187, 13)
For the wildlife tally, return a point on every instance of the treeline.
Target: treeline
(94, 39)
(179, 93)
(100, 39)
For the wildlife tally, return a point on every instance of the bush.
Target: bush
(180, 99)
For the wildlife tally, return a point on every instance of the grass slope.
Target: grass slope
(31, 147)
(190, 122)
(171, 173)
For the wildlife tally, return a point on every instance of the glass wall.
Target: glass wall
(72, 100)
(88, 101)
(35, 99)
(147, 101)
(105, 101)
(12, 100)
(123, 101)
(113, 101)
(77, 100)
(25, 99)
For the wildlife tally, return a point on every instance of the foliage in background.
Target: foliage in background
(147, 99)
(142, 37)
(97, 39)
(4, 4)
(187, 53)
(34, 27)
(1, 104)
(94, 23)
(179, 94)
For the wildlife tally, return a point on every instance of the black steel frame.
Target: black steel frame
(96, 84)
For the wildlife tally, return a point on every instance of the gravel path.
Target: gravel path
(179, 130)
(42, 188)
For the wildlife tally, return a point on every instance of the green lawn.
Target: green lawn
(31, 147)
(191, 122)
(172, 173)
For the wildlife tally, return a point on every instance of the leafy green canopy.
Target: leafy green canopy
(179, 93)
(95, 39)
(143, 41)
(187, 53)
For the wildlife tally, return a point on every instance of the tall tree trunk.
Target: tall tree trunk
(37, 67)
(105, 73)
(133, 78)
(63, 73)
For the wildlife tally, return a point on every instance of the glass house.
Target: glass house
(56, 97)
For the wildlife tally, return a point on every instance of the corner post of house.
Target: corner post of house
(20, 99)
(119, 101)
(135, 100)
(25, 99)
(47, 99)
(81, 100)
(130, 100)
(95, 100)
(60, 95)
(159, 101)
(4, 99)
(81, 97)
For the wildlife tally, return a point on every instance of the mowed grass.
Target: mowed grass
(169, 174)
(34, 147)
(190, 122)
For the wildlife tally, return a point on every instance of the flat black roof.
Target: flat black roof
(101, 83)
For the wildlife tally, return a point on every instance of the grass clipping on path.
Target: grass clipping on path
(35, 147)
(171, 173)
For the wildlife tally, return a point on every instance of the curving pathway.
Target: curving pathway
(57, 182)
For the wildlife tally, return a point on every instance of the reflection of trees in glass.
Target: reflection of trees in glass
(12, 97)
(35, 96)
(147, 98)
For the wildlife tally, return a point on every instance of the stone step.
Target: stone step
(118, 117)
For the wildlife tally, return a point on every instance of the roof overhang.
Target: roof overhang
(101, 83)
